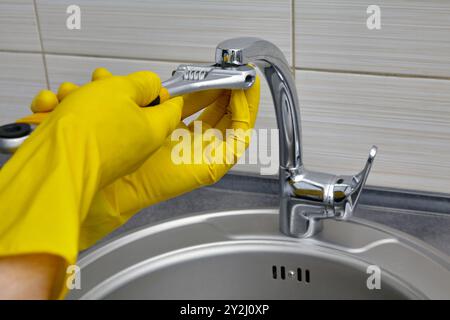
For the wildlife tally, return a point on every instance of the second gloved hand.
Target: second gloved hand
(162, 177)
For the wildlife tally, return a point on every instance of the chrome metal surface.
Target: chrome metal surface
(307, 197)
(242, 255)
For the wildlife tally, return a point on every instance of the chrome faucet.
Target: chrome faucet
(306, 197)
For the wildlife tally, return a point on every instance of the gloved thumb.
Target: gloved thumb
(164, 118)
(100, 73)
(144, 87)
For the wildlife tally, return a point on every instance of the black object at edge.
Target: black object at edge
(155, 102)
(15, 130)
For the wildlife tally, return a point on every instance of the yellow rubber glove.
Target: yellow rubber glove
(97, 134)
(159, 178)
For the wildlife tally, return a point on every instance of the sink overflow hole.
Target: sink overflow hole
(307, 276)
(303, 275)
(274, 272)
(283, 273)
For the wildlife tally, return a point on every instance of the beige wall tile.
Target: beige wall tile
(414, 36)
(79, 69)
(21, 77)
(179, 30)
(18, 27)
(409, 120)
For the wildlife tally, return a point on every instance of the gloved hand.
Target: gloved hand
(97, 134)
(159, 178)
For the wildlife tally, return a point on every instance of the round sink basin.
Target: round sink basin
(242, 255)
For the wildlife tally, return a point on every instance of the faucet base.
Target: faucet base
(300, 220)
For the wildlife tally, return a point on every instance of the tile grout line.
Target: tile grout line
(293, 49)
(376, 74)
(44, 59)
(124, 58)
(362, 73)
(93, 56)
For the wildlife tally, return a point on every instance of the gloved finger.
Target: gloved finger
(224, 124)
(196, 101)
(240, 113)
(238, 119)
(44, 101)
(253, 96)
(143, 86)
(100, 73)
(240, 136)
(215, 111)
(65, 88)
(164, 118)
(35, 118)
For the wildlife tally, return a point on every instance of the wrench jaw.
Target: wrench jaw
(190, 78)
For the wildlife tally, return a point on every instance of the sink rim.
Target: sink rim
(147, 230)
(104, 288)
(212, 219)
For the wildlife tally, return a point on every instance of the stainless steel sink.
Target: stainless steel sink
(242, 255)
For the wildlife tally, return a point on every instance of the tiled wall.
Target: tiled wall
(358, 87)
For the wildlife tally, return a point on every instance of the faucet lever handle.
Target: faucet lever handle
(362, 176)
(355, 186)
